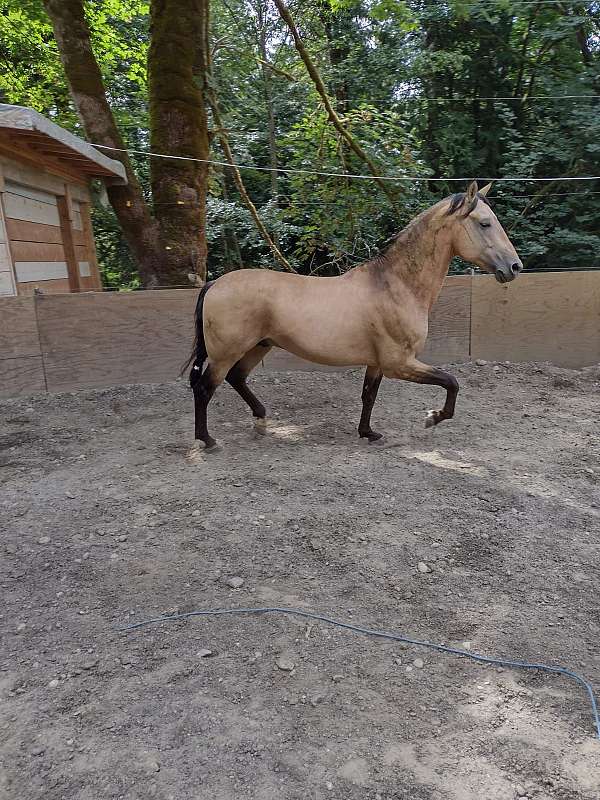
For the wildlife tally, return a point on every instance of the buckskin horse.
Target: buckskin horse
(375, 315)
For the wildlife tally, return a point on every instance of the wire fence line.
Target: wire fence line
(350, 175)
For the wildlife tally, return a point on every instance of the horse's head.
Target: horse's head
(479, 238)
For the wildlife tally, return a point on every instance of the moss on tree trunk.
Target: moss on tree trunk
(179, 126)
(167, 242)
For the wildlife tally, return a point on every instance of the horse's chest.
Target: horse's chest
(405, 325)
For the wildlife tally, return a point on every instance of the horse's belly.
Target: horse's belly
(326, 356)
(326, 341)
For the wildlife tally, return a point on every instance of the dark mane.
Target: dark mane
(458, 201)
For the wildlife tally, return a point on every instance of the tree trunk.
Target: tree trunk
(165, 252)
(179, 126)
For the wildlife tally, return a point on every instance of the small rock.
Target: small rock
(423, 567)
(521, 792)
(418, 662)
(196, 513)
(337, 678)
(467, 645)
(497, 368)
(481, 362)
(235, 582)
(44, 540)
(38, 750)
(90, 664)
(21, 627)
(285, 664)
(329, 786)
(204, 653)
(53, 684)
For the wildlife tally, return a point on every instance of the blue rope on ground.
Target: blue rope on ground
(382, 635)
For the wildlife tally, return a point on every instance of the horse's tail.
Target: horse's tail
(198, 354)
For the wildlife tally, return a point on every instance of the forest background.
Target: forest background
(421, 89)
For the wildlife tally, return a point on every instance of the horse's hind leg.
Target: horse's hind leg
(204, 387)
(369, 395)
(237, 375)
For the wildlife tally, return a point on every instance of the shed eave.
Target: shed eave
(34, 128)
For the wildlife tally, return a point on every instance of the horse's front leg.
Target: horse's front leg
(417, 372)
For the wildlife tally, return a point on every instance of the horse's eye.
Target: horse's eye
(485, 223)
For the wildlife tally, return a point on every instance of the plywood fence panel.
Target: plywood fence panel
(102, 339)
(21, 376)
(539, 317)
(18, 328)
(450, 323)
(20, 356)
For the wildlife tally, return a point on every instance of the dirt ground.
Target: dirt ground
(105, 522)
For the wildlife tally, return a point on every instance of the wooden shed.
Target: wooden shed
(46, 238)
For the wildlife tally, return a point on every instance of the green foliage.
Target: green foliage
(407, 77)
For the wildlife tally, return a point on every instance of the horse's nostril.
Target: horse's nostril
(516, 267)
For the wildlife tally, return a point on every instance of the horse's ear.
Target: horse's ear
(471, 193)
(486, 189)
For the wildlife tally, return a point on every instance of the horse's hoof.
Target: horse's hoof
(260, 425)
(213, 447)
(372, 436)
(432, 418)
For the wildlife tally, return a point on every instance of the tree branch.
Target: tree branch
(331, 113)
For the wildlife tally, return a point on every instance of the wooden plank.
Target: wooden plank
(37, 251)
(539, 317)
(7, 284)
(18, 328)
(65, 211)
(60, 286)
(28, 271)
(22, 231)
(88, 234)
(5, 262)
(18, 207)
(38, 178)
(106, 339)
(21, 376)
(450, 323)
(30, 192)
(88, 284)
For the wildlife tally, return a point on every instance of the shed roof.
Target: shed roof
(42, 138)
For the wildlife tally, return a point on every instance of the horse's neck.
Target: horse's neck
(420, 258)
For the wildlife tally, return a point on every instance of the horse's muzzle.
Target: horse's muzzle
(506, 274)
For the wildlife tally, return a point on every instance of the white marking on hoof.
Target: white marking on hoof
(260, 426)
(430, 419)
